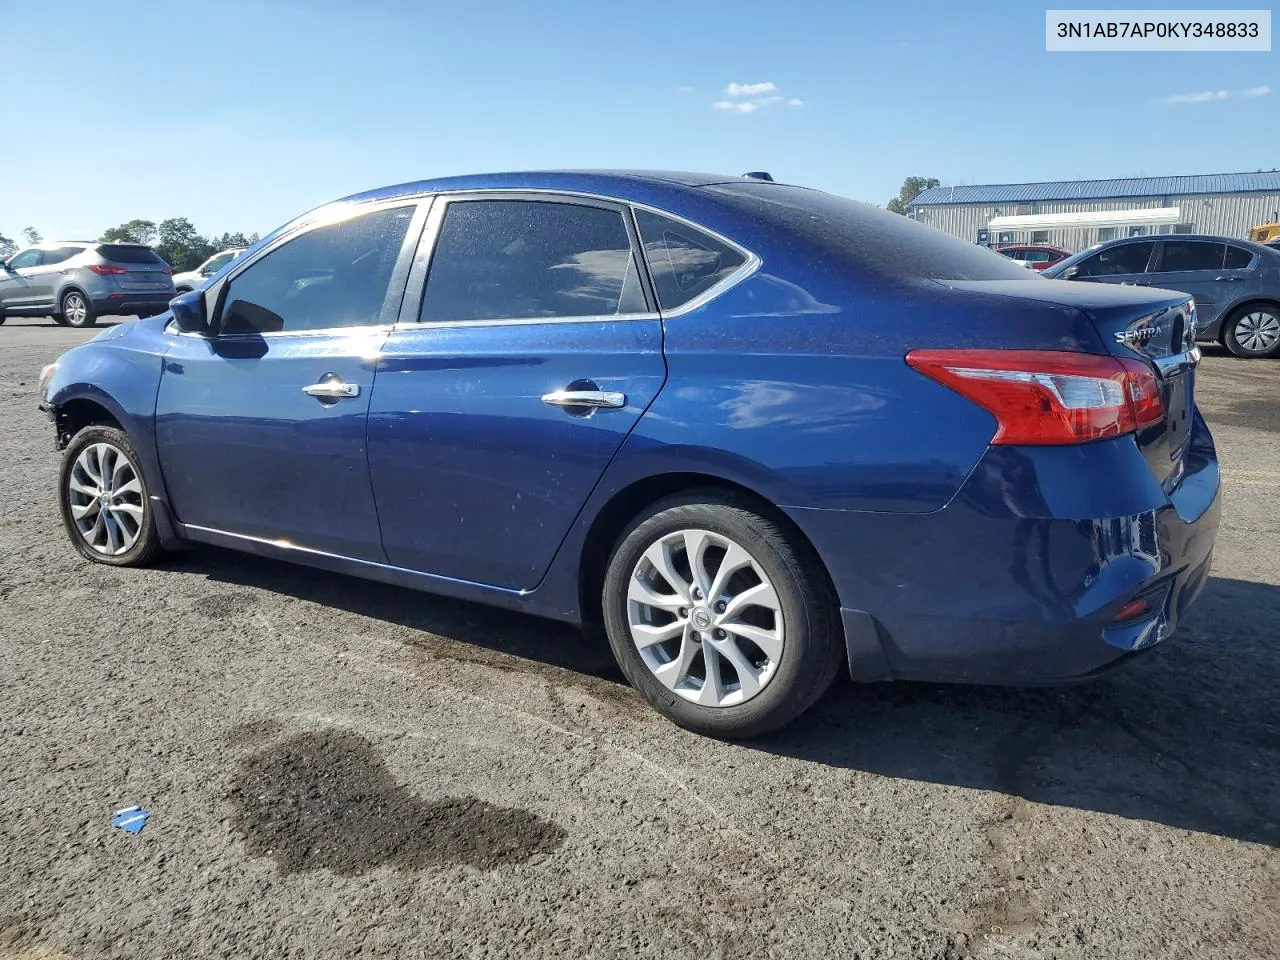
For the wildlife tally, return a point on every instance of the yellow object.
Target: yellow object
(1265, 233)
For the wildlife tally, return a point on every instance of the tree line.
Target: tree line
(176, 240)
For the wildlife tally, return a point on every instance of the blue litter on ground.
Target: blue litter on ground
(132, 819)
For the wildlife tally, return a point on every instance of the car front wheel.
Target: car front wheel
(720, 618)
(104, 502)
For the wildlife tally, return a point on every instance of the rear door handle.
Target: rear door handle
(585, 398)
(332, 387)
(1229, 279)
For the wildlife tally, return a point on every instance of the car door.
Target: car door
(16, 283)
(511, 382)
(1124, 263)
(1193, 267)
(260, 426)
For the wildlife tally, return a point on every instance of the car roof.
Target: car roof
(621, 184)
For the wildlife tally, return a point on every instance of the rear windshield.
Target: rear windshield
(128, 253)
(884, 242)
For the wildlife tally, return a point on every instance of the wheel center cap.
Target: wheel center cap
(104, 498)
(701, 618)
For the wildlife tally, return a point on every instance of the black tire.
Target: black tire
(77, 310)
(813, 649)
(59, 319)
(147, 545)
(2, 319)
(1250, 313)
(178, 291)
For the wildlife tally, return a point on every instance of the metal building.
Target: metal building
(1226, 204)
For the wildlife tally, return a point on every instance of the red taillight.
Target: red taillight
(1048, 397)
(107, 270)
(168, 271)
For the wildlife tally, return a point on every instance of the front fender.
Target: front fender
(120, 372)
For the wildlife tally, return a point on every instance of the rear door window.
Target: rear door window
(61, 254)
(333, 276)
(1182, 255)
(683, 261)
(527, 259)
(1117, 261)
(1238, 258)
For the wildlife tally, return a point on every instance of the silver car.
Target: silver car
(197, 278)
(77, 281)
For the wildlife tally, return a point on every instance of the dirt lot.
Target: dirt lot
(338, 768)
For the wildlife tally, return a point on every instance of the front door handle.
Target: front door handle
(332, 387)
(585, 398)
(1228, 279)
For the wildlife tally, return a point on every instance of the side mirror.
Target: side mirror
(1070, 273)
(188, 312)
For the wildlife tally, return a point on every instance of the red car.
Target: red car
(1034, 255)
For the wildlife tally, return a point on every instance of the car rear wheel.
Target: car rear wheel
(77, 311)
(104, 502)
(1253, 331)
(721, 620)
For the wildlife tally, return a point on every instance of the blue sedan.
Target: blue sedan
(757, 432)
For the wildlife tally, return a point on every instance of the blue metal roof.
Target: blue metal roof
(1103, 189)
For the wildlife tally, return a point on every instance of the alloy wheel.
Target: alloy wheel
(1258, 332)
(74, 309)
(105, 497)
(705, 618)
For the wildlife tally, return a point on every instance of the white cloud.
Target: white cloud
(1261, 91)
(1203, 97)
(743, 106)
(684, 89)
(748, 89)
(746, 106)
(749, 99)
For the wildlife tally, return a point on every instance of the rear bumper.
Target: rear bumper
(131, 304)
(1020, 579)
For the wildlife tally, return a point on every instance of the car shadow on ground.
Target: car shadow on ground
(1187, 735)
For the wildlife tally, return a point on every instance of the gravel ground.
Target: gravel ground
(338, 768)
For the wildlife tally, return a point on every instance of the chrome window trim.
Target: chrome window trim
(440, 200)
(520, 321)
(419, 272)
(344, 212)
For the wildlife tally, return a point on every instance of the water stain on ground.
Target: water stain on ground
(326, 801)
(253, 733)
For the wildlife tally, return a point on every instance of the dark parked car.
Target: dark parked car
(1035, 256)
(1235, 283)
(758, 432)
(77, 281)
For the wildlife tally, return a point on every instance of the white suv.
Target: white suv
(197, 278)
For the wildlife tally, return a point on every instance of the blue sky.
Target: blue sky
(242, 113)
